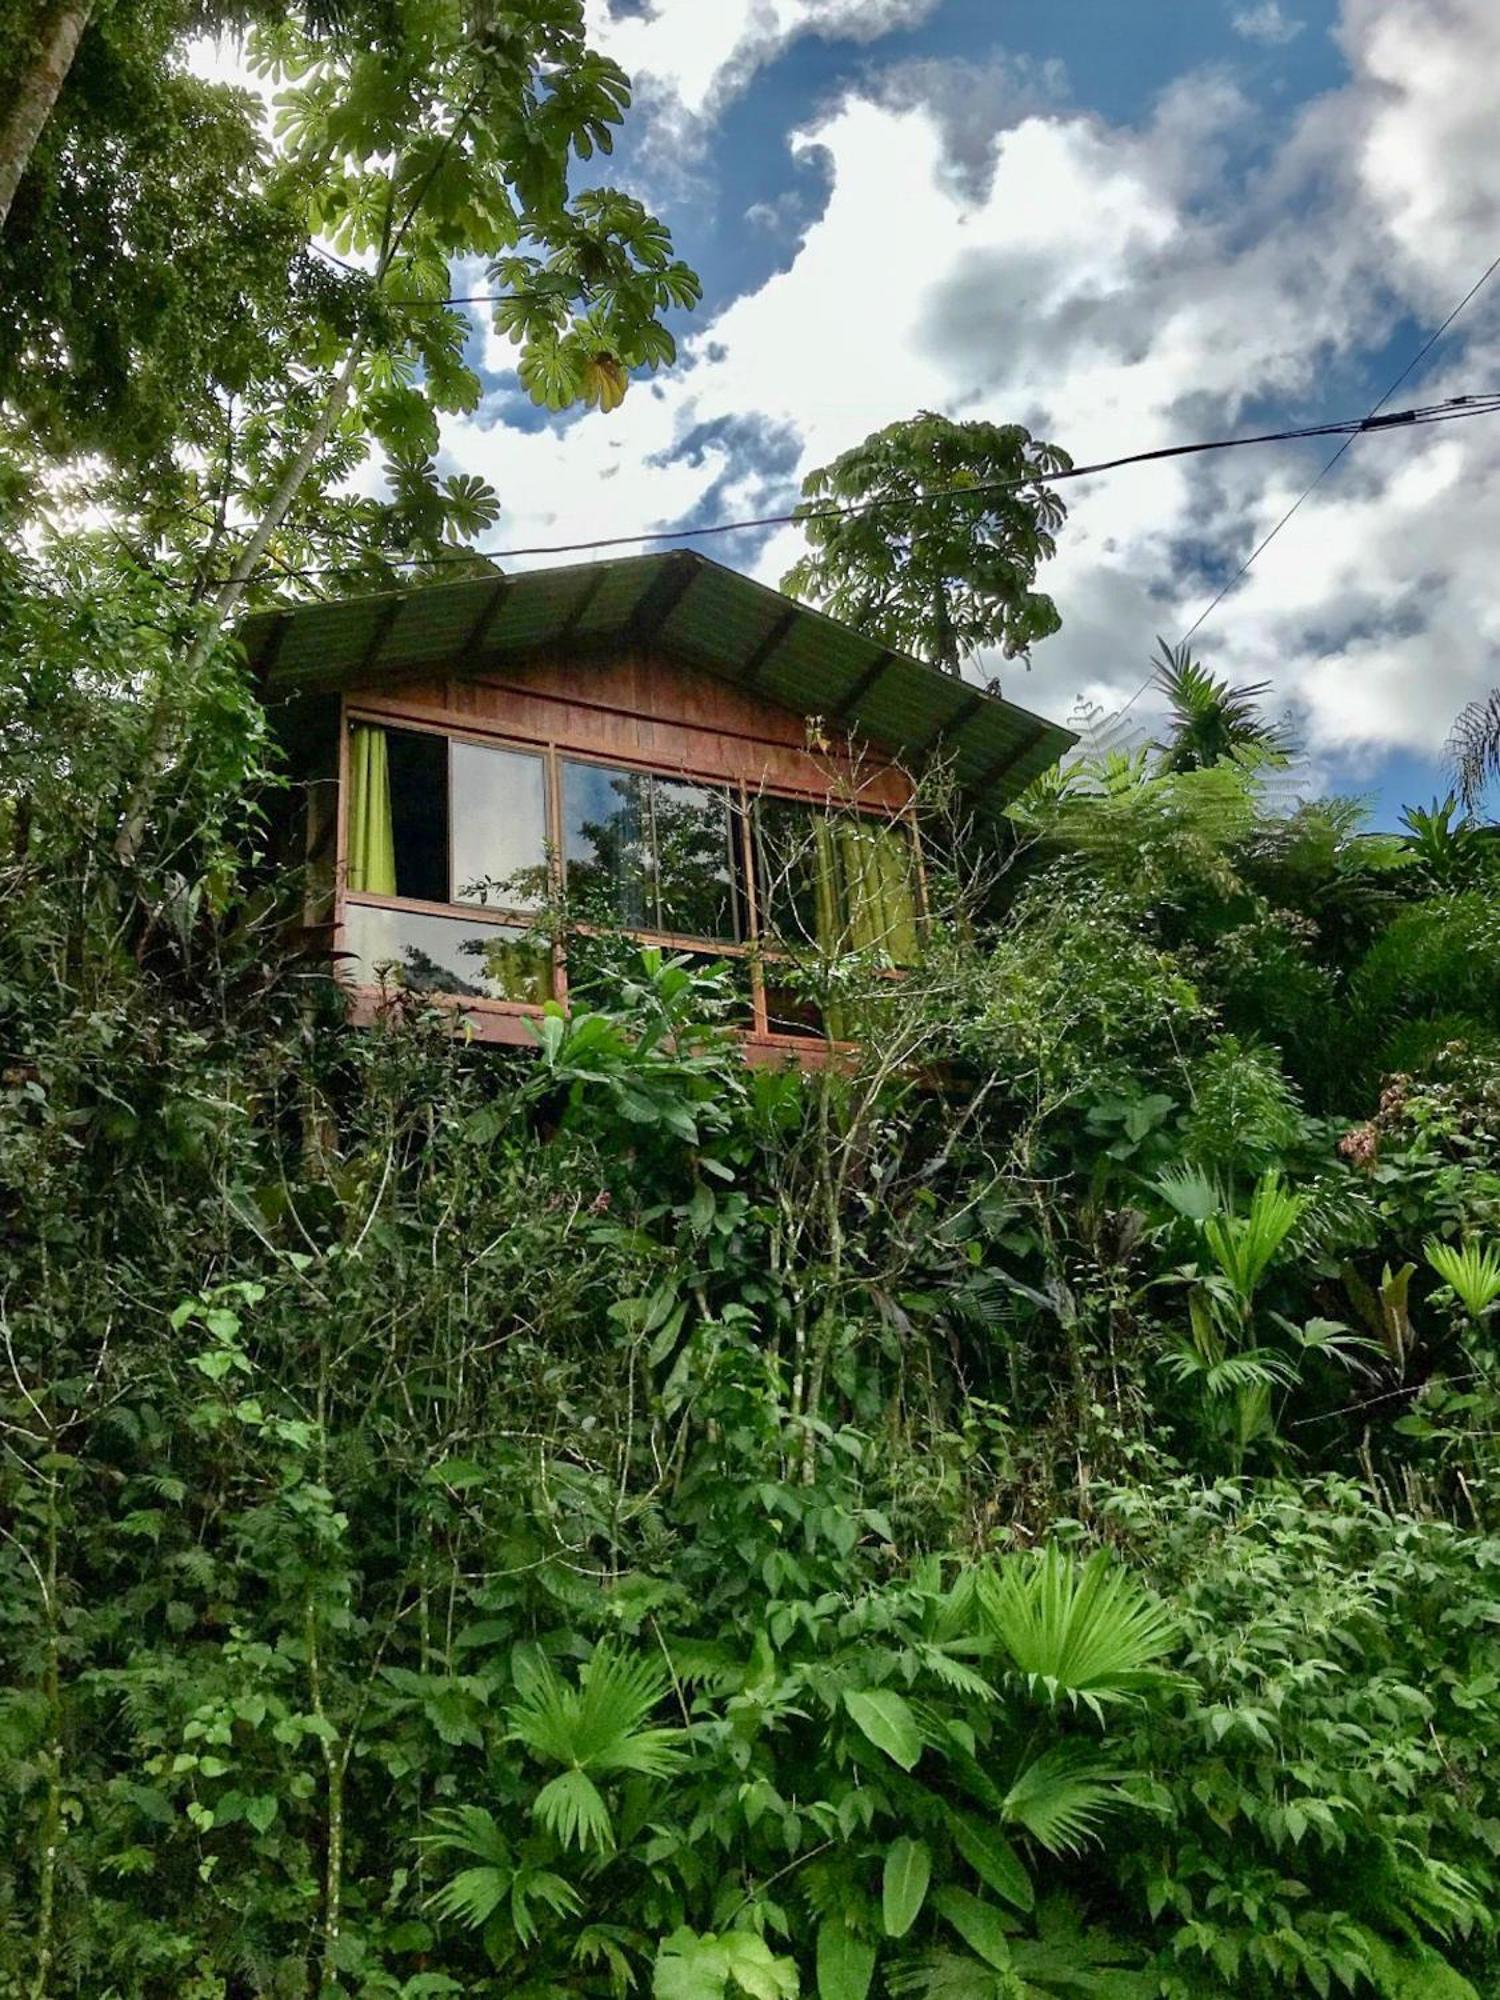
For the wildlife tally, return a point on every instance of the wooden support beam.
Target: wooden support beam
(1002, 765)
(390, 611)
(759, 657)
(585, 602)
(265, 660)
(955, 721)
(861, 686)
(480, 629)
(661, 597)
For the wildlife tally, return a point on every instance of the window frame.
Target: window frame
(506, 1019)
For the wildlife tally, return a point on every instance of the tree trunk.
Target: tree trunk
(159, 738)
(37, 94)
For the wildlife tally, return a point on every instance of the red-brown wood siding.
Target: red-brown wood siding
(648, 709)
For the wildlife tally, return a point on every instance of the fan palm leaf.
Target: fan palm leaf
(1473, 1271)
(1085, 1633)
(1063, 1797)
(592, 1729)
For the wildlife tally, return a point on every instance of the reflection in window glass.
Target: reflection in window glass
(606, 845)
(605, 968)
(650, 853)
(695, 848)
(734, 974)
(427, 954)
(499, 814)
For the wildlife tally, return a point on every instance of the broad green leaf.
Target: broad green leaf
(886, 1719)
(903, 1889)
(993, 1860)
(846, 1964)
(707, 1967)
(980, 1925)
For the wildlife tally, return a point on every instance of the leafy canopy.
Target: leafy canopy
(953, 522)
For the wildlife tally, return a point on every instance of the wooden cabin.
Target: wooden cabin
(656, 745)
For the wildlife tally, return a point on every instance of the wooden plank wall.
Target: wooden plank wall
(644, 708)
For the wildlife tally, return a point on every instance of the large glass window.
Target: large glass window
(463, 826)
(426, 954)
(650, 853)
(499, 818)
(835, 882)
(437, 820)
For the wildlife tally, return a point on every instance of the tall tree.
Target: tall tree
(46, 60)
(274, 307)
(929, 535)
(148, 256)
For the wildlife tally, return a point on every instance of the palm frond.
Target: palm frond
(1474, 747)
(1194, 1194)
(574, 1813)
(469, 1831)
(954, 1673)
(593, 1727)
(1085, 1633)
(606, 1945)
(472, 1897)
(1243, 1245)
(542, 1886)
(1228, 1374)
(1211, 720)
(1471, 1269)
(597, 1725)
(1063, 1797)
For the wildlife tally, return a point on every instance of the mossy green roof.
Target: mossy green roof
(689, 607)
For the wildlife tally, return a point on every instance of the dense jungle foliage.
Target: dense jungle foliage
(1009, 1516)
(1012, 1515)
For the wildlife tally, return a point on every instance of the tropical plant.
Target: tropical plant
(594, 1730)
(1471, 1269)
(1086, 1633)
(1448, 847)
(1209, 720)
(929, 534)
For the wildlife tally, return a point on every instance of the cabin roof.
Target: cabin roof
(695, 609)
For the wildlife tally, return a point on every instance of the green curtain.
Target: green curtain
(372, 837)
(874, 907)
(865, 897)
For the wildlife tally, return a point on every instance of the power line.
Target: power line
(1307, 492)
(1435, 413)
(1416, 361)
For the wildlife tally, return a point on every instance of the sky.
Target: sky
(1122, 223)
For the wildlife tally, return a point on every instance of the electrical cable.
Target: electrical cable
(1307, 492)
(1454, 408)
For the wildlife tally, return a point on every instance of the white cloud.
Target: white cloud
(698, 52)
(989, 250)
(1267, 22)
